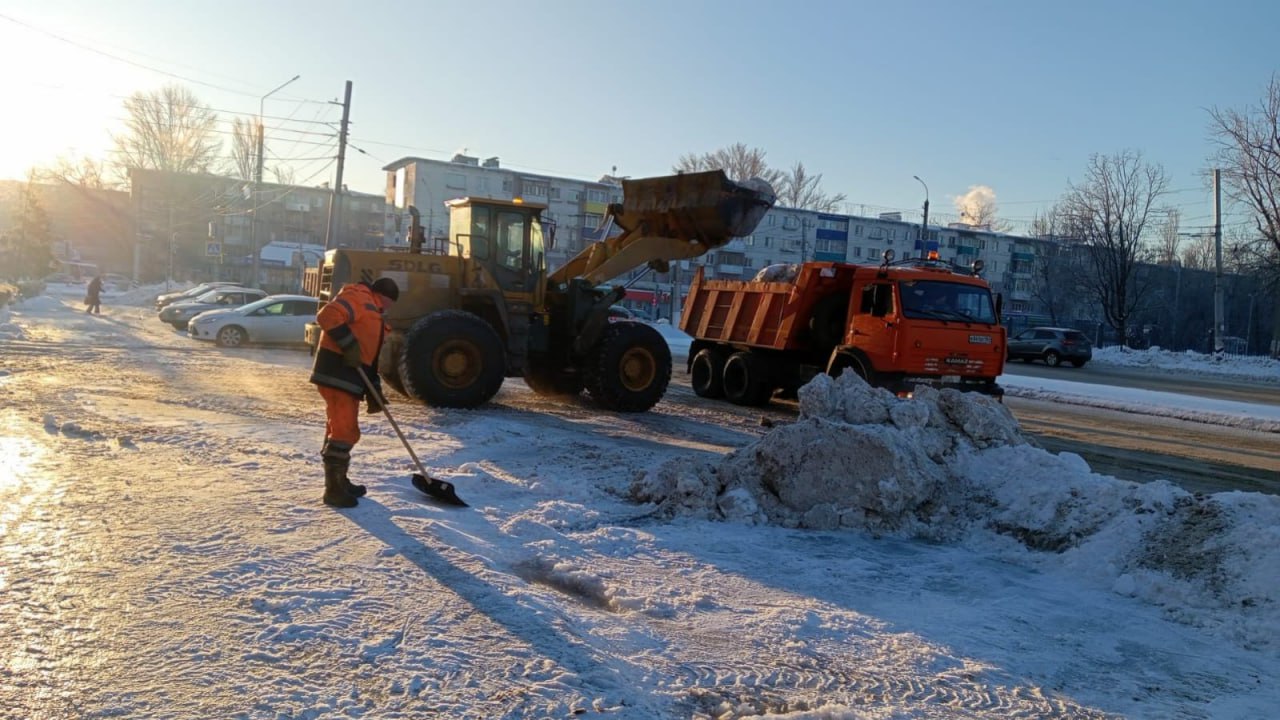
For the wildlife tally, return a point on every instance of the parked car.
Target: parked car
(273, 319)
(118, 283)
(190, 293)
(1052, 345)
(180, 313)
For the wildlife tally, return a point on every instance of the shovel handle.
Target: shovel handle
(382, 402)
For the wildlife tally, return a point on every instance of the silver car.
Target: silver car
(274, 319)
(180, 313)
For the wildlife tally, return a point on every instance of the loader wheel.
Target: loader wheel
(631, 368)
(744, 380)
(553, 383)
(452, 358)
(706, 373)
(389, 361)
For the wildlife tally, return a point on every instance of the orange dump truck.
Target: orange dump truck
(897, 325)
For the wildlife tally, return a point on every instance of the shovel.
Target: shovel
(441, 490)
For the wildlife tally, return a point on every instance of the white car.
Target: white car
(273, 319)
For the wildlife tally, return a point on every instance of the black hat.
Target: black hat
(386, 287)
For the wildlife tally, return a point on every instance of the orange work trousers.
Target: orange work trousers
(342, 415)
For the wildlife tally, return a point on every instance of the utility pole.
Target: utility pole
(335, 197)
(924, 225)
(1219, 314)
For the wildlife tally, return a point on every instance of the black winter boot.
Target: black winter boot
(335, 487)
(338, 449)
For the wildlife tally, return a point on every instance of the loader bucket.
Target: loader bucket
(704, 206)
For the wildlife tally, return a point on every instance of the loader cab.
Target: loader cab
(503, 237)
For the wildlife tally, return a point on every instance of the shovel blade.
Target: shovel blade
(438, 489)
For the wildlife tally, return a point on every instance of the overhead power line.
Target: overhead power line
(135, 63)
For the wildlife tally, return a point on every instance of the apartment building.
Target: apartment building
(200, 226)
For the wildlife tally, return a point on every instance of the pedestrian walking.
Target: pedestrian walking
(93, 296)
(352, 335)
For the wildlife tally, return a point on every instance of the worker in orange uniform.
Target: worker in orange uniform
(352, 338)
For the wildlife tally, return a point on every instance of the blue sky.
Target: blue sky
(1012, 95)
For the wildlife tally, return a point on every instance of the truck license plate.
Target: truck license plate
(980, 339)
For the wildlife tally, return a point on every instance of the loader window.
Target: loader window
(509, 239)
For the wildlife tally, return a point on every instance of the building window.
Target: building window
(555, 193)
(591, 220)
(533, 188)
(506, 185)
(457, 181)
(857, 230)
(856, 252)
(837, 225)
(597, 196)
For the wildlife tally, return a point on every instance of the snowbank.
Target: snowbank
(954, 467)
(41, 303)
(1241, 366)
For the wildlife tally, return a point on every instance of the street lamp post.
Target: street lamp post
(924, 225)
(257, 185)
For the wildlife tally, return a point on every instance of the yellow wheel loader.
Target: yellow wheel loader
(480, 306)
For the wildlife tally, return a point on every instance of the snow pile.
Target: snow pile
(857, 458)
(1252, 367)
(778, 272)
(142, 296)
(41, 303)
(951, 466)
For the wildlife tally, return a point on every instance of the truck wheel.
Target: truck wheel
(706, 373)
(553, 383)
(631, 368)
(452, 358)
(389, 361)
(744, 381)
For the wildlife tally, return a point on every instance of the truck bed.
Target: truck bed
(772, 315)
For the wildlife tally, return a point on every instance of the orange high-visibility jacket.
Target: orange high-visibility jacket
(352, 316)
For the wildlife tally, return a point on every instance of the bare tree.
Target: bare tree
(31, 242)
(1199, 253)
(1248, 143)
(81, 172)
(1170, 240)
(1248, 151)
(1056, 268)
(738, 162)
(244, 149)
(1109, 212)
(283, 174)
(168, 129)
(800, 189)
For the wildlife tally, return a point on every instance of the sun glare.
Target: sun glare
(58, 100)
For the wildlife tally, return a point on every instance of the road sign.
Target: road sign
(213, 249)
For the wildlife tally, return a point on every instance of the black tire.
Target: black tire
(706, 373)
(231, 336)
(553, 383)
(452, 358)
(858, 366)
(1052, 358)
(389, 362)
(630, 368)
(744, 381)
(1078, 363)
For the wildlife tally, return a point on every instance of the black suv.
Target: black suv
(1053, 345)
